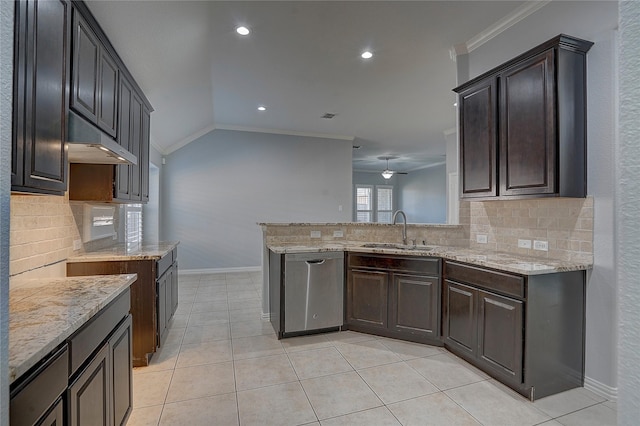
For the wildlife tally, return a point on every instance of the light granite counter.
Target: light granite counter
(507, 262)
(43, 314)
(144, 251)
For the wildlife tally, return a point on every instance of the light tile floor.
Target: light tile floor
(222, 365)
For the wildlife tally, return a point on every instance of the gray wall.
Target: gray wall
(6, 84)
(628, 202)
(422, 195)
(215, 189)
(593, 21)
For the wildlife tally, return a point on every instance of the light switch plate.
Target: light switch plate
(316, 234)
(540, 245)
(526, 244)
(338, 234)
(482, 239)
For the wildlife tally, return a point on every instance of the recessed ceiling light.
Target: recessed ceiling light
(366, 55)
(243, 30)
(262, 108)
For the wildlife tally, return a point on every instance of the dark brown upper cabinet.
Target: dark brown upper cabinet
(94, 87)
(523, 125)
(40, 108)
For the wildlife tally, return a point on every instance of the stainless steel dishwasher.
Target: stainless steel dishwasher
(313, 291)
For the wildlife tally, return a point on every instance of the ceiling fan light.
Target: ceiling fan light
(387, 174)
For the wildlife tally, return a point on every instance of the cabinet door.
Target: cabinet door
(89, 394)
(143, 159)
(162, 308)
(174, 288)
(40, 110)
(414, 305)
(478, 140)
(107, 93)
(460, 325)
(86, 58)
(121, 374)
(500, 334)
(124, 137)
(527, 127)
(55, 416)
(367, 297)
(135, 175)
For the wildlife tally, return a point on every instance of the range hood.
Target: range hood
(88, 144)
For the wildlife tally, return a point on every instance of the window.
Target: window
(364, 203)
(368, 196)
(133, 225)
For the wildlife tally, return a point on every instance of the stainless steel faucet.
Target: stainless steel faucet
(404, 228)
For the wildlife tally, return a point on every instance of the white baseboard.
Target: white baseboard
(219, 270)
(266, 316)
(601, 389)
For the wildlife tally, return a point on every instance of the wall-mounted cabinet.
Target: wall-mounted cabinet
(41, 96)
(94, 85)
(523, 125)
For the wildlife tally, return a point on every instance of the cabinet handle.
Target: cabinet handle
(315, 262)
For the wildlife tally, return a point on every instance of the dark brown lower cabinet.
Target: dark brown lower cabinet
(367, 299)
(121, 393)
(414, 305)
(89, 393)
(525, 331)
(394, 296)
(147, 299)
(55, 416)
(485, 326)
(102, 394)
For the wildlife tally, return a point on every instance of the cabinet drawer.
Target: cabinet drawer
(163, 264)
(91, 336)
(424, 265)
(513, 285)
(40, 391)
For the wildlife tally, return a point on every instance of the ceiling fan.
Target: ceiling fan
(388, 173)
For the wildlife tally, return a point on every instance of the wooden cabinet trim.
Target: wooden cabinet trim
(501, 282)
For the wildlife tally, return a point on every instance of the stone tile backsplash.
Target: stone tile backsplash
(42, 232)
(565, 223)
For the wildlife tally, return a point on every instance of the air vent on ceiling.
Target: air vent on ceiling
(328, 115)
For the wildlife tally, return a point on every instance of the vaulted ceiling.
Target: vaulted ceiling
(302, 60)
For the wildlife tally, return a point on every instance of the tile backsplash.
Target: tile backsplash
(42, 232)
(565, 223)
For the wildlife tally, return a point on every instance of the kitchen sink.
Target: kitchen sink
(398, 246)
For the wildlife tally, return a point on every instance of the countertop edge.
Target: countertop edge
(517, 264)
(145, 252)
(16, 370)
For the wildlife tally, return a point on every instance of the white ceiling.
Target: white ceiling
(301, 61)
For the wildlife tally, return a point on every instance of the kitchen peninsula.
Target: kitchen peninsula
(494, 309)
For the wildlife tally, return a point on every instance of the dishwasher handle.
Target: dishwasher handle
(315, 261)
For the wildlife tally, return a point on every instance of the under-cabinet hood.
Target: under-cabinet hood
(88, 144)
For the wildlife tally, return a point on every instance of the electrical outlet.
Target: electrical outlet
(526, 244)
(77, 244)
(540, 245)
(316, 234)
(481, 239)
(338, 234)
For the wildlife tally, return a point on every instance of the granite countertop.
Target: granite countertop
(508, 262)
(45, 312)
(144, 251)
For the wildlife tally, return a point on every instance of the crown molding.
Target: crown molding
(284, 132)
(508, 21)
(176, 146)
